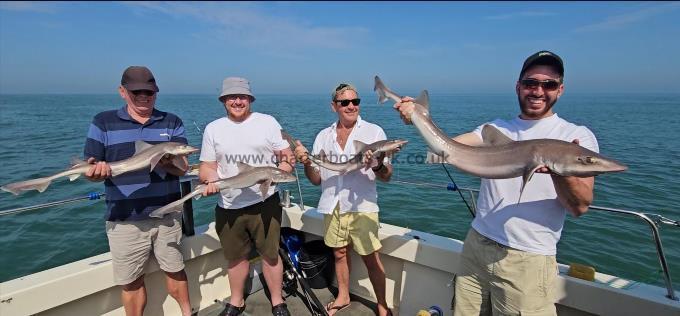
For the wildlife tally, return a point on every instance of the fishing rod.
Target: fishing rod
(91, 196)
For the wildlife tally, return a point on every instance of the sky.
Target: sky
(303, 47)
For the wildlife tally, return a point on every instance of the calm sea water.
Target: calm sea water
(41, 133)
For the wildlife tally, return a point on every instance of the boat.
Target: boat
(419, 266)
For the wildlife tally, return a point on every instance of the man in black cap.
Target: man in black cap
(130, 197)
(508, 264)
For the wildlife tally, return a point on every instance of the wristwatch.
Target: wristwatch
(379, 168)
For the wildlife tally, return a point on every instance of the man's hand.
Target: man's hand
(405, 108)
(99, 171)
(371, 160)
(210, 189)
(301, 153)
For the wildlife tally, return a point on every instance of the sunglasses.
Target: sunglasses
(346, 102)
(148, 93)
(549, 85)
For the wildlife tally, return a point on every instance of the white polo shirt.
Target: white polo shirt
(356, 190)
(535, 224)
(253, 142)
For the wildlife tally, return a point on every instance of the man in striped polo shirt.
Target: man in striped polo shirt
(130, 197)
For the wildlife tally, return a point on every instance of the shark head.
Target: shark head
(393, 145)
(179, 149)
(585, 163)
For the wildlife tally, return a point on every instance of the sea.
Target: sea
(41, 134)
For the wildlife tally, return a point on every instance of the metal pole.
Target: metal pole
(659, 247)
(91, 196)
(297, 180)
(188, 213)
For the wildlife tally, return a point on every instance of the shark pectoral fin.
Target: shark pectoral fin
(41, 187)
(526, 177)
(492, 136)
(434, 158)
(243, 167)
(264, 188)
(74, 176)
(141, 145)
(154, 161)
(424, 100)
(178, 162)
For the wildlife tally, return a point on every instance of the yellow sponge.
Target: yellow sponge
(581, 271)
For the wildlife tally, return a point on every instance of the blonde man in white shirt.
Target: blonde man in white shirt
(349, 201)
(508, 264)
(242, 218)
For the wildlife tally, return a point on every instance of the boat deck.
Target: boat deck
(258, 303)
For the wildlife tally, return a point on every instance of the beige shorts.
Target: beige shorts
(132, 242)
(494, 279)
(358, 228)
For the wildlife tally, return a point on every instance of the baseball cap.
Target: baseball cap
(543, 57)
(138, 78)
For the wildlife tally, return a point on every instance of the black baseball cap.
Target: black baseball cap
(138, 78)
(543, 57)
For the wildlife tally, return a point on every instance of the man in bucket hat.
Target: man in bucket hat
(130, 197)
(242, 217)
(508, 264)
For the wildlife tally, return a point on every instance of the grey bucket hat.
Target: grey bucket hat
(235, 85)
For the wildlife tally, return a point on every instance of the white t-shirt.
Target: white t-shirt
(535, 224)
(253, 142)
(356, 190)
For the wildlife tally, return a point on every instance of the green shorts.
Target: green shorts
(259, 223)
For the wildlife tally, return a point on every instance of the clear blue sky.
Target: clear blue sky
(290, 47)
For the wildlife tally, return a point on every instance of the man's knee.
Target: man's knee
(134, 285)
(177, 276)
(340, 253)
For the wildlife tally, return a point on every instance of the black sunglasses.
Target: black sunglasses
(549, 85)
(147, 93)
(346, 102)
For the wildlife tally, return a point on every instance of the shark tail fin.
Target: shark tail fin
(16, 188)
(289, 139)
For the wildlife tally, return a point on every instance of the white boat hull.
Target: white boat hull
(419, 273)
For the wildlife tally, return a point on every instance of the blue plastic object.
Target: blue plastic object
(451, 187)
(293, 243)
(94, 195)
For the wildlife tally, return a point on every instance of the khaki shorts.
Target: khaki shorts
(358, 228)
(259, 223)
(132, 242)
(498, 280)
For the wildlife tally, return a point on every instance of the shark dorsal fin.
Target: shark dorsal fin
(322, 155)
(359, 146)
(492, 136)
(141, 145)
(243, 167)
(424, 100)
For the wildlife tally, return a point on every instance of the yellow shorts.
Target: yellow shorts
(357, 228)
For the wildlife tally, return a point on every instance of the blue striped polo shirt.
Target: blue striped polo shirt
(111, 137)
